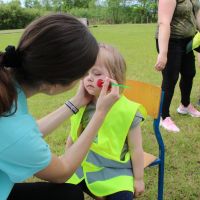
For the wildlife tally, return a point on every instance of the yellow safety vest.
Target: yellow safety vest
(103, 170)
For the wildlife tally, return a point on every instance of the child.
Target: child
(116, 153)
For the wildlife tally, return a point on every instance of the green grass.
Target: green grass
(182, 164)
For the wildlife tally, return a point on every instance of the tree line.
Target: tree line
(15, 14)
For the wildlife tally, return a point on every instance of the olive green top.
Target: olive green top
(183, 24)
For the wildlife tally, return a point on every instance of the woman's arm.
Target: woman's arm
(69, 140)
(137, 157)
(165, 13)
(69, 143)
(60, 169)
(50, 122)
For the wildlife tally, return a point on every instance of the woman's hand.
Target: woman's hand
(82, 97)
(107, 96)
(139, 187)
(161, 62)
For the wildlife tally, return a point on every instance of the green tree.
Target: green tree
(46, 4)
(81, 3)
(15, 3)
(32, 4)
(114, 7)
(145, 10)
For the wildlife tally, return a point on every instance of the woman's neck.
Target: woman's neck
(29, 92)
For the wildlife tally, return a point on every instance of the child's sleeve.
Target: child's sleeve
(137, 119)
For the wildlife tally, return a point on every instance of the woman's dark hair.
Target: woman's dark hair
(55, 49)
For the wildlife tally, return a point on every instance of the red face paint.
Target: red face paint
(100, 84)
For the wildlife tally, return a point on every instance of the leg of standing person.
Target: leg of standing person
(45, 191)
(188, 72)
(170, 76)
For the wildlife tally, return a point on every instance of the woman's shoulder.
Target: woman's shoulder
(23, 149)
(17, 122)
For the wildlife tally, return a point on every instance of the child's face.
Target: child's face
(98, 71)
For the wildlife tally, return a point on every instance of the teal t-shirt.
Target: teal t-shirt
(23, 151)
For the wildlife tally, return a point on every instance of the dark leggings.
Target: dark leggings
(45, 191)
(177, 62)
(122, 195)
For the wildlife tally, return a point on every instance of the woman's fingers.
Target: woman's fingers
(106, 88)
(114, 90)
(159, 66)
(161, 62)
(107, 96)
(82, 97)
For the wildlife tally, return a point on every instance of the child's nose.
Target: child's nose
(90, 77)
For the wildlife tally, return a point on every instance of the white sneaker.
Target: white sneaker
(169, 125)
(190, 110)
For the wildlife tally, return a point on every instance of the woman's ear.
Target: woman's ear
(47, 88)
(52, 89)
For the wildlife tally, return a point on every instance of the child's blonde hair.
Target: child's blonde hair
(110, 58)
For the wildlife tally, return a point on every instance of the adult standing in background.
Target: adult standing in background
(177, 24)
(53, 53)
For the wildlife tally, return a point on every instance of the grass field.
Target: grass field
(182, 164)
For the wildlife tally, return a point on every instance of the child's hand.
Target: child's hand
(107, 97)
(82, 97)
(139, 187)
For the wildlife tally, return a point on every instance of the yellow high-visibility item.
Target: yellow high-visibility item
(103, 169)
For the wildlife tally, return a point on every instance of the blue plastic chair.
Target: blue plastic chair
(151, 97)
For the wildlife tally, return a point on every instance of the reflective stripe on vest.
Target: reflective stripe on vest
(79, 172)
(100, 161)
(107, 173)
(110, 168)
